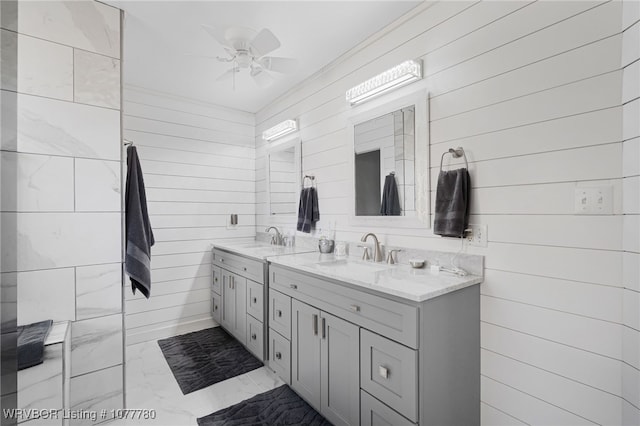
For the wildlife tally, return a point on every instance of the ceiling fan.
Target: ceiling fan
(247, 49)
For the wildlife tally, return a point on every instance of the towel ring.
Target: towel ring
(310, 177)
(455, 153)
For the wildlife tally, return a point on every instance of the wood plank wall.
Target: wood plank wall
(533, 92)
(198, 162)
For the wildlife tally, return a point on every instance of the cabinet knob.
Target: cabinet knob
(253, 336)
(215, 279)
(215, 307)
(221, 260)
(244, 268)
(355, 308)
(278, 355)
(254, 300)
(279, 313)
(383, 371)
(293, 286)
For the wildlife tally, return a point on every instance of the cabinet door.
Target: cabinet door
(227, 318)
(340, 372)
(305, 352)
(216, 307)
(239, 328)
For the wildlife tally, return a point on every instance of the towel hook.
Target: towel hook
(455, 153)
(310, 177)
(127, 142)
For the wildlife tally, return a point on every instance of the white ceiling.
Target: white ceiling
(160, 36)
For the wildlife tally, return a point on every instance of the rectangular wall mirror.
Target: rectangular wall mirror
(283, 181)
(390, 164)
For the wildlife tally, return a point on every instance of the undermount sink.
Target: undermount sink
(360, 271)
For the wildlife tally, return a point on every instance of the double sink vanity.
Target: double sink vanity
(365, 343)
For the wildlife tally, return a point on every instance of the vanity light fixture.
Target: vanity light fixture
(280, 129)
(393, 78)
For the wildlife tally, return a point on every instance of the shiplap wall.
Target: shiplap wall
(532, 91)
(631, 209)
(198, 162)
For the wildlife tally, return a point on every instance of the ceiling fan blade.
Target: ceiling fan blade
(264, 42)
(217, 34)
(262, 78)
(227, 75)
(277, 64)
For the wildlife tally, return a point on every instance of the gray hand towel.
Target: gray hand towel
(390, 205)
(138, 228)
(308, 210)
(452, 203)
(31, 339)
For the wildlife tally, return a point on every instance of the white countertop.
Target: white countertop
(257, 249)
(398, 280)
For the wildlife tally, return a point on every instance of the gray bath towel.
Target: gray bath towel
(138, 228)
(31, 339)
(452, 203)
(308, 210)
(390, 205)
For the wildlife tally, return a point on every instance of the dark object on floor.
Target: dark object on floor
(278, 407)
(452, 203)
(139, 235)
(205, 357)
(390, 205)
(31, 339)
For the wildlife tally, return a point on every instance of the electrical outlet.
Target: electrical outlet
(478, 235)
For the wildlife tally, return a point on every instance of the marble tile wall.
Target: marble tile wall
(63, 150)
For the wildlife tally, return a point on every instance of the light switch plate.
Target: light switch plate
(593, 200)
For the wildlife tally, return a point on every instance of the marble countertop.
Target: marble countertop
(258, 250)
(399, 280)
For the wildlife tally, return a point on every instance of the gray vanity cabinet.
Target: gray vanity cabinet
(324, 363)
(234, 306)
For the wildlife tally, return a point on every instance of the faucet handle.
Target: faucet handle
(365, 252)
(390, 260)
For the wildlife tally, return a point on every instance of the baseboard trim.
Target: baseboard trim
(169, 331)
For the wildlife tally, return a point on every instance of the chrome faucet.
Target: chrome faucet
(276, 239)
(377, 253)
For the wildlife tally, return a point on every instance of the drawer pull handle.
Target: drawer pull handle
(279, 313)
(278, 355)
(383, 371)
(355, 308)
(293, 286)
(253, 336)
(254, 300)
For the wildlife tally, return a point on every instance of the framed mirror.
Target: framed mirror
(389, 141)
(283, 180)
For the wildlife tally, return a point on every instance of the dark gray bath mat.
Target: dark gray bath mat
(205, 357)
(278, 407)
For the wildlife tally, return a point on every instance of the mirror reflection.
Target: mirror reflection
(283, 177)
(385, 164)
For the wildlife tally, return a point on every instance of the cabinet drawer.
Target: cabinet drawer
(388, 317)
(216, 280)
(375, 413)
(280, 313)
(255, 337)
(248, 268)
(255, 299)
(216, 308)
(280, 356)
(389, 371)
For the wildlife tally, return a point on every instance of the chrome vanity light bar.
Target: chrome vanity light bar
(280, 129)
(400, 75)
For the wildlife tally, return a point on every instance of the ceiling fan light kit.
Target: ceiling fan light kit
(393, 78)
(247, 49)
(279, 130)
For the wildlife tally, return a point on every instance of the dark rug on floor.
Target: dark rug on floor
(205, 357)
(278, 407)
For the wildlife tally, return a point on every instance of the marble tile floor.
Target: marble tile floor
(151, 385)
